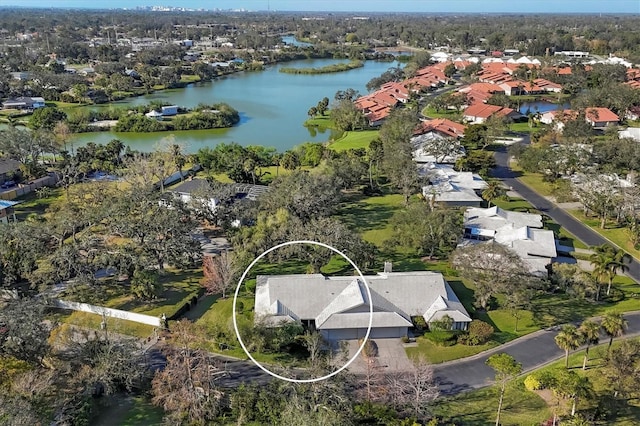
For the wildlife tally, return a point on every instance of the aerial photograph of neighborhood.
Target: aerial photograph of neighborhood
(320, 212)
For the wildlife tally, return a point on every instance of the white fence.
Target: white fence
(109, 312)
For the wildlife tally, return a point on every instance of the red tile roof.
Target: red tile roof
(441, 125)
(485, 111)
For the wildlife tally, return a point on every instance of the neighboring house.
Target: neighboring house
(596, 116)
(192, 188)
(515, 88)
(441, 126)
(479, 113)
(520, 232)
(439, 131)
(24, 102)
(7, 214)
(451, 188)
(548, 86)
(8, 167)
(338, 307)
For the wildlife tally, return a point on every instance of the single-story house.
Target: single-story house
(479, 113)
(24, 102)
(442, 126)
(338, 307)
(451, 188)
(596, 116)
(548, 86)
(191, 189)
(515, 88)
(518, 231)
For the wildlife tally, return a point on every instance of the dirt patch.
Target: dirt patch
(554, 403)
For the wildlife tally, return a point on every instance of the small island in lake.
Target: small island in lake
(345, 66)
(159, 118)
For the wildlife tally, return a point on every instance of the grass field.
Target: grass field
(354, 140)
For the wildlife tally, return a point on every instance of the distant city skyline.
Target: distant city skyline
(362, 6)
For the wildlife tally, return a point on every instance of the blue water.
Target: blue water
(272, 105)
(541, 107)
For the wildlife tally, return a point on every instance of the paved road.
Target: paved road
(568, 222)
(532, 351)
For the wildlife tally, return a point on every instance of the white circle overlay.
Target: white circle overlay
(235, 324)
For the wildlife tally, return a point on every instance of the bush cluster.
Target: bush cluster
(442, 338)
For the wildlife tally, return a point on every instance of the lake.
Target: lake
(272, 105)
(541, 106)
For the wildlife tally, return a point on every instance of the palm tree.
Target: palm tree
(617, 263)
(590, 332)
(613, 324)
(492, 191)
(607, 261)
(600, 259)
(568, 339)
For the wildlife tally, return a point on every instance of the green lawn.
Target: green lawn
(478, 408)
(523, 128)
(437, 354)
(31, 203)
(450, 114)
(535, 182)
(321, 121)
(354, 140)
(613, 232)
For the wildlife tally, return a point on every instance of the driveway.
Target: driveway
(391, 356)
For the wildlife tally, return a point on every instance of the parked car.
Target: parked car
(8, 184)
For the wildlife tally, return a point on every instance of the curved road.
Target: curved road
(564, 219)
(532, 351)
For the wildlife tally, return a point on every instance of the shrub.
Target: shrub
(442, 338)
(418, 322)
(405, 339)
(479, 333)
(532, 383)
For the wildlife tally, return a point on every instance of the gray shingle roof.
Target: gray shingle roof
(341, 302)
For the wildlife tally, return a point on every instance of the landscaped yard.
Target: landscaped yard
(179, 288)
(523, 407)
(613, 232)
(478, 408)
(450, 114)
(31, 203)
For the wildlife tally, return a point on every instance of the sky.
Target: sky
(437, 6)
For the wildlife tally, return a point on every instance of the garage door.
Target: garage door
(376, 333)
